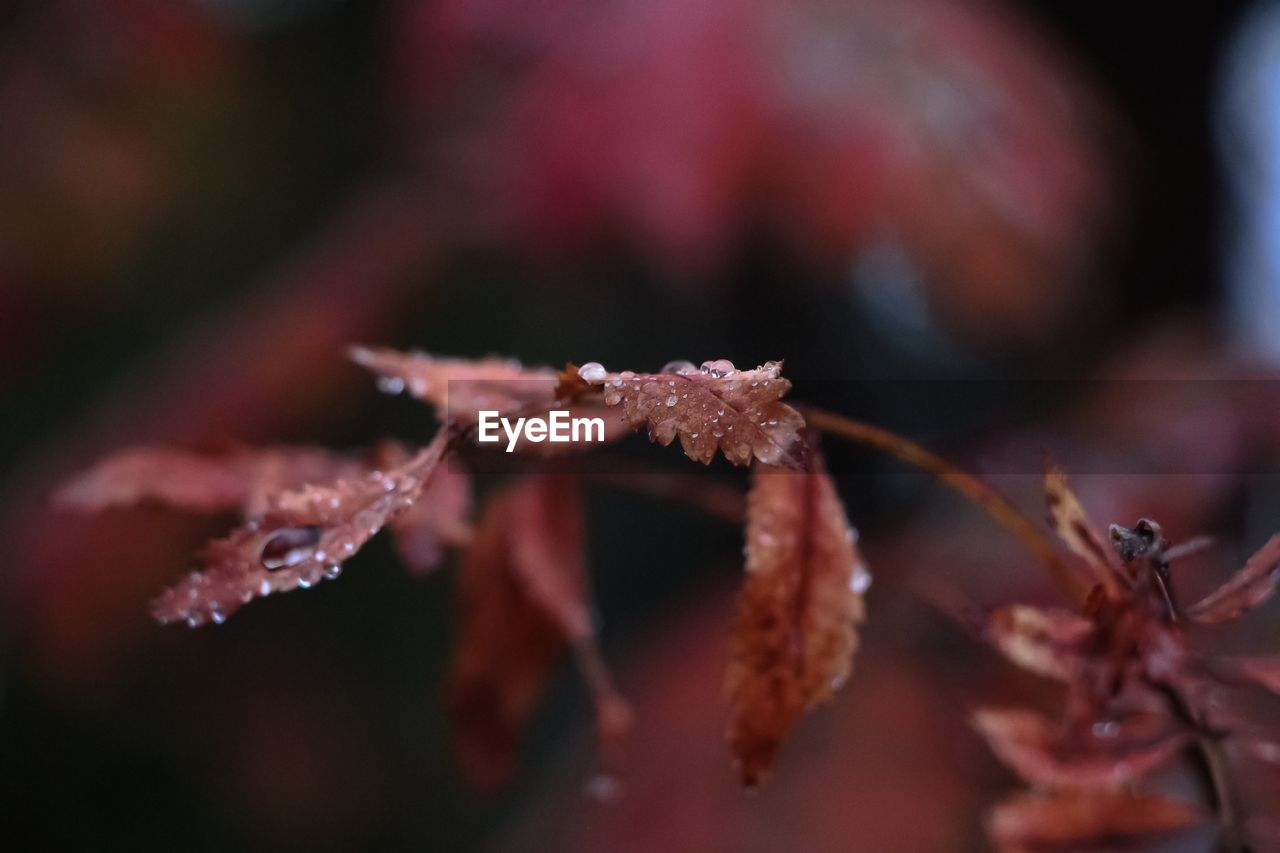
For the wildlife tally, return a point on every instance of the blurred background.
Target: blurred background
(203, 201)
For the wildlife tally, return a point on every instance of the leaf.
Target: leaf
(304, 537)
(1074, 528)
(1068, 820)
(1249, 587)
(738, 412)
(523, 602)
(1045, 642)
(794, 636)
(1263, 671)
(460, 388)
(201, 482)
(246, 479)
(1108, 755)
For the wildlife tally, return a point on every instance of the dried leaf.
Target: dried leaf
(304, 537)
(1046, 642)
(460, 388)
(1106, 756)
(1074, 528)
(1069, 820)
(523, 602)
(794, 637)
(1248, 588)
(738, 412)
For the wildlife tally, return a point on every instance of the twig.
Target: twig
(996, 505)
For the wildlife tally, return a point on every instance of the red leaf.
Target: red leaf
(523, 602)
(304, 537)
(1263, 671)
(459, 388)
(1107, 756)
(1248, 588)
(1071, 819)
(1046, 642)
(738, 412)
(794, 637)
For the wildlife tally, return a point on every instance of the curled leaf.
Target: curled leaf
(738, 412)
(304, 537)
(1045, 642)
(1106, 756)
(1073, 820)
(1249, 587)
(523, 602)
(794, 637)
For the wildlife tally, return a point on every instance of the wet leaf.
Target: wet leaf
(460, 388)
(303, 538)
(795, 634)
(738, 412)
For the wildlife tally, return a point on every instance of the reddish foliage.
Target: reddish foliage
(794, 637)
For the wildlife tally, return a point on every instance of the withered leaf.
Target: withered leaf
(460, 388)
(795, 633)
(1106, 756)
(304, 536)
(1070, 820)
(738, 412)
(1249, 587)
(524, 600)
(1074, 528)
(1045, 642)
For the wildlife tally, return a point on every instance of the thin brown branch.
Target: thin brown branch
(996, 505)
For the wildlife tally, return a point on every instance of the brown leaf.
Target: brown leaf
(1248, 588)
(1074, 528)
(523, 602)
(1106, 756)
(738, 412)
(1046, 642)
(304, 537)
(201, 482)
(794, 637)
(460, 388)
(1070, 820)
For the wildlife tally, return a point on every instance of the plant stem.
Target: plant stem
(996, 505)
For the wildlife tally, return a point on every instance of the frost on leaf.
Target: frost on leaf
(524, 601)
(1101, 756)
(717, 407)
(303, 537)
(460, 388)
(1045, 642)
(1079, 820)
(794, 637)
(1248, 588)
(245, 480)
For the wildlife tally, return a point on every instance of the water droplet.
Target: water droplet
(332, 571)
(193, 620)
(217, 616)
(672, 400)
(693, 435)
(860, 580)
(679, 366)
(289, 546)
(390, 384)
(718, 368)
(593, 373)
(264, 588)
